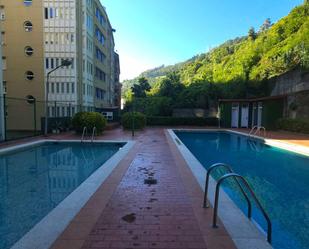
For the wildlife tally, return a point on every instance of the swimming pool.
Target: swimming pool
(35, 179)
(279, 178)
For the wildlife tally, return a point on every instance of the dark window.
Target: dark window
(46, 13)
(28, 26)
(29, 75)
(28, 51)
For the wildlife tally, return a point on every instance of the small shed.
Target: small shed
(246, 113)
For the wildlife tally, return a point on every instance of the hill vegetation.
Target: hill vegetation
(238, 68)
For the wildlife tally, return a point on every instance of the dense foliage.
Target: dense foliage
(89, 120)
(295, 125)
(174, 121)
(238, 68)
(137, 119)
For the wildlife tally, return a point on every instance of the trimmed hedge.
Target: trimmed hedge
(174, 121)
(295, 125)
(89, 120)
(139, 120)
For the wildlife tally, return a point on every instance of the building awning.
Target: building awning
(254, 99)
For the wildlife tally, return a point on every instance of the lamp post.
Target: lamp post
(64, 63)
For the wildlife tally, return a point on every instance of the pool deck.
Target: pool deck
(125, 213)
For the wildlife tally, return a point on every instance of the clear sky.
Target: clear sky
(150, 33)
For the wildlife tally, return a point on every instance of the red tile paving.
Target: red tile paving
(158, 216)
(164, 215)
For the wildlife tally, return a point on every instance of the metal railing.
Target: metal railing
(94, 132)
(258, 130)
(216, 204)
(85, 132)
(229, 169)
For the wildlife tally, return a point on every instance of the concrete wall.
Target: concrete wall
(294, 84)
(294, 81)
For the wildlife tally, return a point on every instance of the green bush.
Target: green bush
(139, 120)
(174, 121)
(89, 120)
(295, 125)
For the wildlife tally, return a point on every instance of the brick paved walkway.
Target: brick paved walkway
(148, 216)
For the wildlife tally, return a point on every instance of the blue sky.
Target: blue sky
(150, 33)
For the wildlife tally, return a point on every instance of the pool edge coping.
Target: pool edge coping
(46, 231)
(242, 231)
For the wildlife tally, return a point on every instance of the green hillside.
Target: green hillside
(237, 68)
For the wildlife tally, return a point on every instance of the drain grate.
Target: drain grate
(130, 218)
(150, 181)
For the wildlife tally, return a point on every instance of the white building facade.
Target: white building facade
(71, 33)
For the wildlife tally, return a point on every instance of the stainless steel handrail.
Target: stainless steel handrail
(84, 133)
(252, 129)
(258, 130)
(233, 175)
(264, 129)
(229, 169)
(94, 131)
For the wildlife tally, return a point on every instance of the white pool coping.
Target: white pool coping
(45, 232)
(243, 232)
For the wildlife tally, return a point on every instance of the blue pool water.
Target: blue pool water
(279, 178)
(35, 180)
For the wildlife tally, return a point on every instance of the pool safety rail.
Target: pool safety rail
(85, 133)
(257, 130)
(237, 178)
(94, 133)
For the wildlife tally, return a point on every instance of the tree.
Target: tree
(252, 34)
(143, 82)
(139, 90)
(170, 86)
(266, 25)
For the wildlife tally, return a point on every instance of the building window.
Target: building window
(29, 75)
(47, 63)
(27, 2)
(4, 64)
(30, 99)
(52, 87)
(28, 51)
(4, 87)
(46, 13)
(28, 26)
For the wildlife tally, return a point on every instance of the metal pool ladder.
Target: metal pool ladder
(237, 179)
(257, 130)
(85, 132)
(94, 132)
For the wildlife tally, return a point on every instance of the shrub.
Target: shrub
(295, 125)
(139, 120)
(89, 120)
(174, 121)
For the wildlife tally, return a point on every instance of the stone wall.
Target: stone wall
(291, 82)
(294, 84)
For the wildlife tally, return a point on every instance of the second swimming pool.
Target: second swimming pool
(279, 178)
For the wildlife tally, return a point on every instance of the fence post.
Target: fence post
(5, 116)
(34, 113)
(133, 120)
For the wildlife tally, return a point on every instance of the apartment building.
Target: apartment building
(38, 37)
(23, 60)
